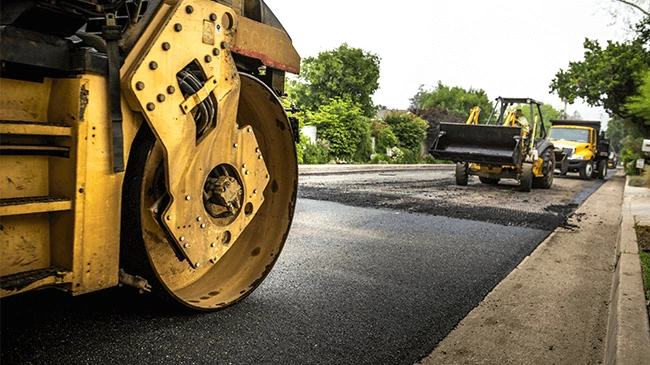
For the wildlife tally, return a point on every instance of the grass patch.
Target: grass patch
(643, 180)
(643, 239)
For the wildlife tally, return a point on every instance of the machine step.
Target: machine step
(35, 128)
(34, 204)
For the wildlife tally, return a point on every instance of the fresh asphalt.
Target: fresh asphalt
(352, 286)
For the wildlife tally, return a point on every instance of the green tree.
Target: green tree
(639, 105)
(345, 128)
(454, 99)
(409, 129)
(609, 76)
(345, 72)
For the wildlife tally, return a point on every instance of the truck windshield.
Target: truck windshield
(569, 134)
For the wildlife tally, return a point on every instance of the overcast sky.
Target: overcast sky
(505, 47)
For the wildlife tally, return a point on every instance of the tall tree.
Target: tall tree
(346, 72)
(608, 76)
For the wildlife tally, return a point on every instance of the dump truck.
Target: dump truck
(580, 146)
(500, 149)
(143, 143)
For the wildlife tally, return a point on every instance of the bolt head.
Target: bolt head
(213, 244)
(182, 238)
(169, 217)
(243, 166)
(202, 225)
(160, 98)
(215, 51)
(155, 211)
(247, 172)
(235, 145)
(198, 264)
(257, 150)
(151, 106)
(171, 89)
(187, 197)
(249, 130)
(224, 45)
(178, 27)
(153, 65)
(186, 245)
(255, 191)
(198, 219)
(259, 157)
(166, 46)
(139, 85)
(213, 17)
(208, 58)
(189, 9)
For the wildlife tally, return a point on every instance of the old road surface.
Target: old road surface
(378, 268)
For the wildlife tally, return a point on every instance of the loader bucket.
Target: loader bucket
(478, 143)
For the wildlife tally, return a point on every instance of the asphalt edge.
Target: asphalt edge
(628, 332)
(351, 168)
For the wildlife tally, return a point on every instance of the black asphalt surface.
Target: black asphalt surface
(352, 286)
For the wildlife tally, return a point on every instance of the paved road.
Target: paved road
(353, 285)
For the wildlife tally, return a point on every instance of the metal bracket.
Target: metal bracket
(197, 98)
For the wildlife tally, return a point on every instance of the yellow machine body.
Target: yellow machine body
(63, 206)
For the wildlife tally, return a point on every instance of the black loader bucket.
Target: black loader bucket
(478, 143)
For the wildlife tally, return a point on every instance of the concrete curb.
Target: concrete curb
(628, 332)
(345, 168)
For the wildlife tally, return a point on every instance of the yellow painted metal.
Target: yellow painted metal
(80, 231)
(59, 278)
(35, 128)
(22, 176)
(24, 243)
(473, 115)
(270, 45)
(32, 207)
(237, 267)
(187, 161)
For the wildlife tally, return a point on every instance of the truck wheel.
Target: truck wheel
(586, 171)
(487, 180)
(602, 169)
(526, 177)
(461, 174)
(548, 164)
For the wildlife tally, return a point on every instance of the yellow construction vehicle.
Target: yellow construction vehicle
(506, 149)
(580, 147)
(143, 143)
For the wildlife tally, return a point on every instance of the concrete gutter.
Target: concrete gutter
(628, 332)
(347, 168)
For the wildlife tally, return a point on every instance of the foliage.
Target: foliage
(639, 105)
(630, 153)
(344, 126)
(619, 132)
(344, 73)
(409, 129)
(317, 153)
(381, 158)
(384, 136)
(454, 99)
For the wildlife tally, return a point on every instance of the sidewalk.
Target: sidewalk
(554, 307)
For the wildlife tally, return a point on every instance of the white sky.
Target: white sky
(506, 47)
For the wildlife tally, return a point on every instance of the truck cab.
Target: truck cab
(579, 147)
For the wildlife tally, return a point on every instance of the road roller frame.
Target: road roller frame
(201, 184)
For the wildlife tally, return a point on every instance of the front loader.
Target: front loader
(503, 150)
(143, 143)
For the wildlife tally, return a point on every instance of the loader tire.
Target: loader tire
(487, 180)
(548, 169)
(462, 177)
(587, 170)
(526, 178)
(602, 169)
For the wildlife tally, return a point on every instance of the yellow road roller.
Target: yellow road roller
(143, 143)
